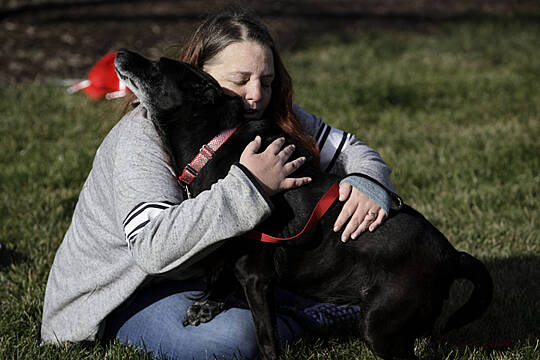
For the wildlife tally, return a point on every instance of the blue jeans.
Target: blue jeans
(152, 320)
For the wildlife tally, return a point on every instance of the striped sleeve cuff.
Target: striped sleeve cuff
(331, 142)
(141, 215)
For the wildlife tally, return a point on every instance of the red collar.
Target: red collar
(206, 153)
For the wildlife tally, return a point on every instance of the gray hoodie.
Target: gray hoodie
(131, 224)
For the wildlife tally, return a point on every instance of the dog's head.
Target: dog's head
(175, 91)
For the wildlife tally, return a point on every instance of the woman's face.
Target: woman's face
(246, 69)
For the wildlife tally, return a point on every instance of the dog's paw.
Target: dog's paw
(202, 312)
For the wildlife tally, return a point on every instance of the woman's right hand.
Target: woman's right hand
(271, 168)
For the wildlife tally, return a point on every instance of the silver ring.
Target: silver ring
(371, 213)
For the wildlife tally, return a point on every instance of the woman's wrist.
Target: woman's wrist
(374, 191)
(256, 183)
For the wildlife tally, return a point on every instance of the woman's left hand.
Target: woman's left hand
(359, 210)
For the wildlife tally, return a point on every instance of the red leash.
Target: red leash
(320, 209)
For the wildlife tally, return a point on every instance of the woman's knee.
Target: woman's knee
(231, 335)
(158, 327)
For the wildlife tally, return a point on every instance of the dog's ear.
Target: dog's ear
(209, 96)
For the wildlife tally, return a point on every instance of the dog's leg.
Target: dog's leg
(202, 312)
(255, 272)
(221, 285)
(387, 328)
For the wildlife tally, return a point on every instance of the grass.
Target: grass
(454, 110)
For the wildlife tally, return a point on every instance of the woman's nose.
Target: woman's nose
(253, 91)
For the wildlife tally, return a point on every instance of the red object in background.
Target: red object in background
(102, 81)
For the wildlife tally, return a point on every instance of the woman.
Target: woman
(128, 262)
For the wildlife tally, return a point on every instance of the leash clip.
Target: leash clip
(188, 194)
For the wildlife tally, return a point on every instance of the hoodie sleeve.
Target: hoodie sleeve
(162, 230)
(343, 154)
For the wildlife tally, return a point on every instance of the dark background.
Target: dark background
(52, 40)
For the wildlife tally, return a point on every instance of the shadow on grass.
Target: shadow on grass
(516, 304)
(514, 313)
(10, 257)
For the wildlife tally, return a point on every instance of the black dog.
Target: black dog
(399, 275)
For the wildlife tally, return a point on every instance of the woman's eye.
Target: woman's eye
(240, 82)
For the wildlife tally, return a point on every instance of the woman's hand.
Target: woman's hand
(359, 210)
(270, 167)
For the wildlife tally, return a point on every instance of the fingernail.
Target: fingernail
(353, 237)
(336, 229)
(343, 239)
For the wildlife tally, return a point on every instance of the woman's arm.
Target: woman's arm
(162, 230)
(367, 175)
(162, 236)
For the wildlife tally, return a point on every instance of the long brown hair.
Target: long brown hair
(234, 25)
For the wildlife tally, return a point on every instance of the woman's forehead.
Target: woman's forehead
(246, 57)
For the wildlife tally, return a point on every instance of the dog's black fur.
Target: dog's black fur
(399, 275)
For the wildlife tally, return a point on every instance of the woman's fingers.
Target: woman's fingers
(345, 190)
(291, 166)
(359, 213)
(271, 166)
(371, 221)
(367, 220)
(344, 215)
(253, 146)
(291, 183)
(275, 146)
(351, 228)
(378, 221)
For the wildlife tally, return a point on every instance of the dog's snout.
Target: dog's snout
(121, 61)
(121, 56)
(126, 59)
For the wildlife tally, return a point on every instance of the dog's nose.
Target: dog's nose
(123, 54)
(131, 59)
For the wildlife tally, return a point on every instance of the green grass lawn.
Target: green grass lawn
(454, 110)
